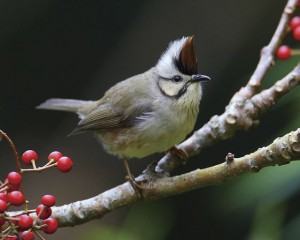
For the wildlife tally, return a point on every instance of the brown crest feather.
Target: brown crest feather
(187, 63)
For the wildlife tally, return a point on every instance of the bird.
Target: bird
(147, 113)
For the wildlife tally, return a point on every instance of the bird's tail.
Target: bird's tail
(69, 105)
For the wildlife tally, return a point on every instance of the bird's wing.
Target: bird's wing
(107, 117)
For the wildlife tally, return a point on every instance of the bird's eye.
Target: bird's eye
(177, 79)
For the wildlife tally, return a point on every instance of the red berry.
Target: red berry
(27, 235)
(296, 33)
(283, 52)
(3, 206)
(16, 198)
(3, 196)
(14, 178)
(55, 156)
(28, 156)
(25, 222)
(51, 225)
(64, 164)
(2, 221)
(46, 211)
(11, 187)
(295, 22)
(48, 200)
(15, 221)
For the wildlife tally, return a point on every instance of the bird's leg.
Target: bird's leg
(137, 188)
(179, 153)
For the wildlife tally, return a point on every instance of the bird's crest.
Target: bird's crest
(179, 57)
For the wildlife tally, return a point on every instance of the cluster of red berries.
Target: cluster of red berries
(9, 192)
(23, 225)
(55, 159)
(284, 52)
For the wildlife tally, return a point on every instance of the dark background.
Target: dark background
(78, 49)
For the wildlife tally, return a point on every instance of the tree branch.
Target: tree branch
(243, 112)
(281, 151)
(268, 53)
(224, 126)
(239, 115)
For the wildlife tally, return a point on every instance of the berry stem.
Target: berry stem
(295, 51)
(43, 225)
(29, 211)
(26, 205)
(4, 188)
(49, 163)
(38, 216)
(39, 169)
(6, 230)
(12, 218)
(3, 185)
(33, 164)
(38, 234)
(39, 227)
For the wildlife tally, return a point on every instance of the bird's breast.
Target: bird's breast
(168, 124)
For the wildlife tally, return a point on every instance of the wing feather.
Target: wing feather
(105, 118)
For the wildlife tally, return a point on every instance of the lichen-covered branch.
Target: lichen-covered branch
(281, 151)
(239, 114)
(267, 54)
(224, 126)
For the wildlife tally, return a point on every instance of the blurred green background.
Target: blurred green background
(78, 49)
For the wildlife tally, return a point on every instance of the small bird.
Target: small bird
(147, 113)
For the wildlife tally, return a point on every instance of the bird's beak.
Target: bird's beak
(199, 78)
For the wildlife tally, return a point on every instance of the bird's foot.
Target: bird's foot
(135, 184)
(138, 188)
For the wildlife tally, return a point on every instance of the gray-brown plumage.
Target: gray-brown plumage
(147, 113)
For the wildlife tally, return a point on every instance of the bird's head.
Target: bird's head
(177, 69)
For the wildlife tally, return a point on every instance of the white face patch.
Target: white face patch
(169, 88)
(166, 66)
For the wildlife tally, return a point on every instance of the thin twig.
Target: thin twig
(16, 156)
(38, 234)
(39, 169)
(14, 150)
(267, 54)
